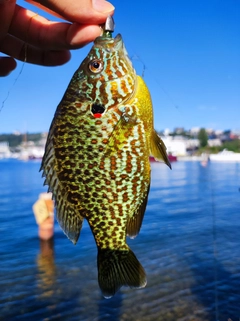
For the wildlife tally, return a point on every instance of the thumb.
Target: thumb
(6, 14)
(83, 12)
(7, 64)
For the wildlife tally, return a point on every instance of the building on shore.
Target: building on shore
(4, 150)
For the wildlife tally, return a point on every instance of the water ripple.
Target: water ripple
(189, 245)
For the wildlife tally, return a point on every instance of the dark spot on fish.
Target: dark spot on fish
(94, 141)
(71, 148)
(88, 188)
(69, 125)
(72, 197)
(74, 187)
(59, 151)
(97, 109)
(105, 141)
(98, 122)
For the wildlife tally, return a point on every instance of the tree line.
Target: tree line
(16, 140)
(232, 145)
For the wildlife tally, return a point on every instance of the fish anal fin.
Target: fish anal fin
(158, 149)
(117, 268)
(135, 222)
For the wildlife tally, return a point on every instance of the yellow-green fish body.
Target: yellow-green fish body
(96, 159)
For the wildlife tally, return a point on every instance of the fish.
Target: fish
(96, 160)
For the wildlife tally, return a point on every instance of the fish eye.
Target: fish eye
(95, 66)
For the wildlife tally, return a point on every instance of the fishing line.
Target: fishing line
(169, 97)
(14, 83)
(136, 57)
(214, 243)
(23, 64)
(167, 94)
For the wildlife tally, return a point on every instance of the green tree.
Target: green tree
(203, 137)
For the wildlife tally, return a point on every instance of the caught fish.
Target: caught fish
(96, 159)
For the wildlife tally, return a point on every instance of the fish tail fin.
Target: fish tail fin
(117, 268)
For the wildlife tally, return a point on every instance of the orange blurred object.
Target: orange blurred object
(43, 211)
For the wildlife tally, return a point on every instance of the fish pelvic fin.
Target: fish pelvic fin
(158, 149)
(117, 268)
(135, 222)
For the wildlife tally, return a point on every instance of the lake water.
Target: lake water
(189, 245)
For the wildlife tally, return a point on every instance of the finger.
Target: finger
(6, 14)
(7, 64)
(81, 11)
(38, 5)
(49, 35)
(16, 48)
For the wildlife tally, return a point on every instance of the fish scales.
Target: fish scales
(96, 159)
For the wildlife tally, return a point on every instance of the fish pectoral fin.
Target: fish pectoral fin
(117, 138)
(69, 219)
(135, 222)
(117, 268)
(158, 149)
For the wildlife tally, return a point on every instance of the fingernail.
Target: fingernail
(102, 6)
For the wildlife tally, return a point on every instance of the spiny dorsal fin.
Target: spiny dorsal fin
(135, 222)
(158, 149)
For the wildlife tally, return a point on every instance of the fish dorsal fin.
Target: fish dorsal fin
(158, 149)
(135, 222)
(68, 218)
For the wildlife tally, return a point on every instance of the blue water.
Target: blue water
(189, 245)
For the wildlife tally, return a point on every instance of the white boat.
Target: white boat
(225, 156)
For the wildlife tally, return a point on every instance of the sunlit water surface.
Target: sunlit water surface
(189, 245)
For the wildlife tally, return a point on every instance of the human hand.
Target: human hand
(29, 37)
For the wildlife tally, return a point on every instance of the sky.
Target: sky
(189, 51)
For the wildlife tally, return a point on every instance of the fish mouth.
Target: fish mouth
(109, 44)
(112, 45)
